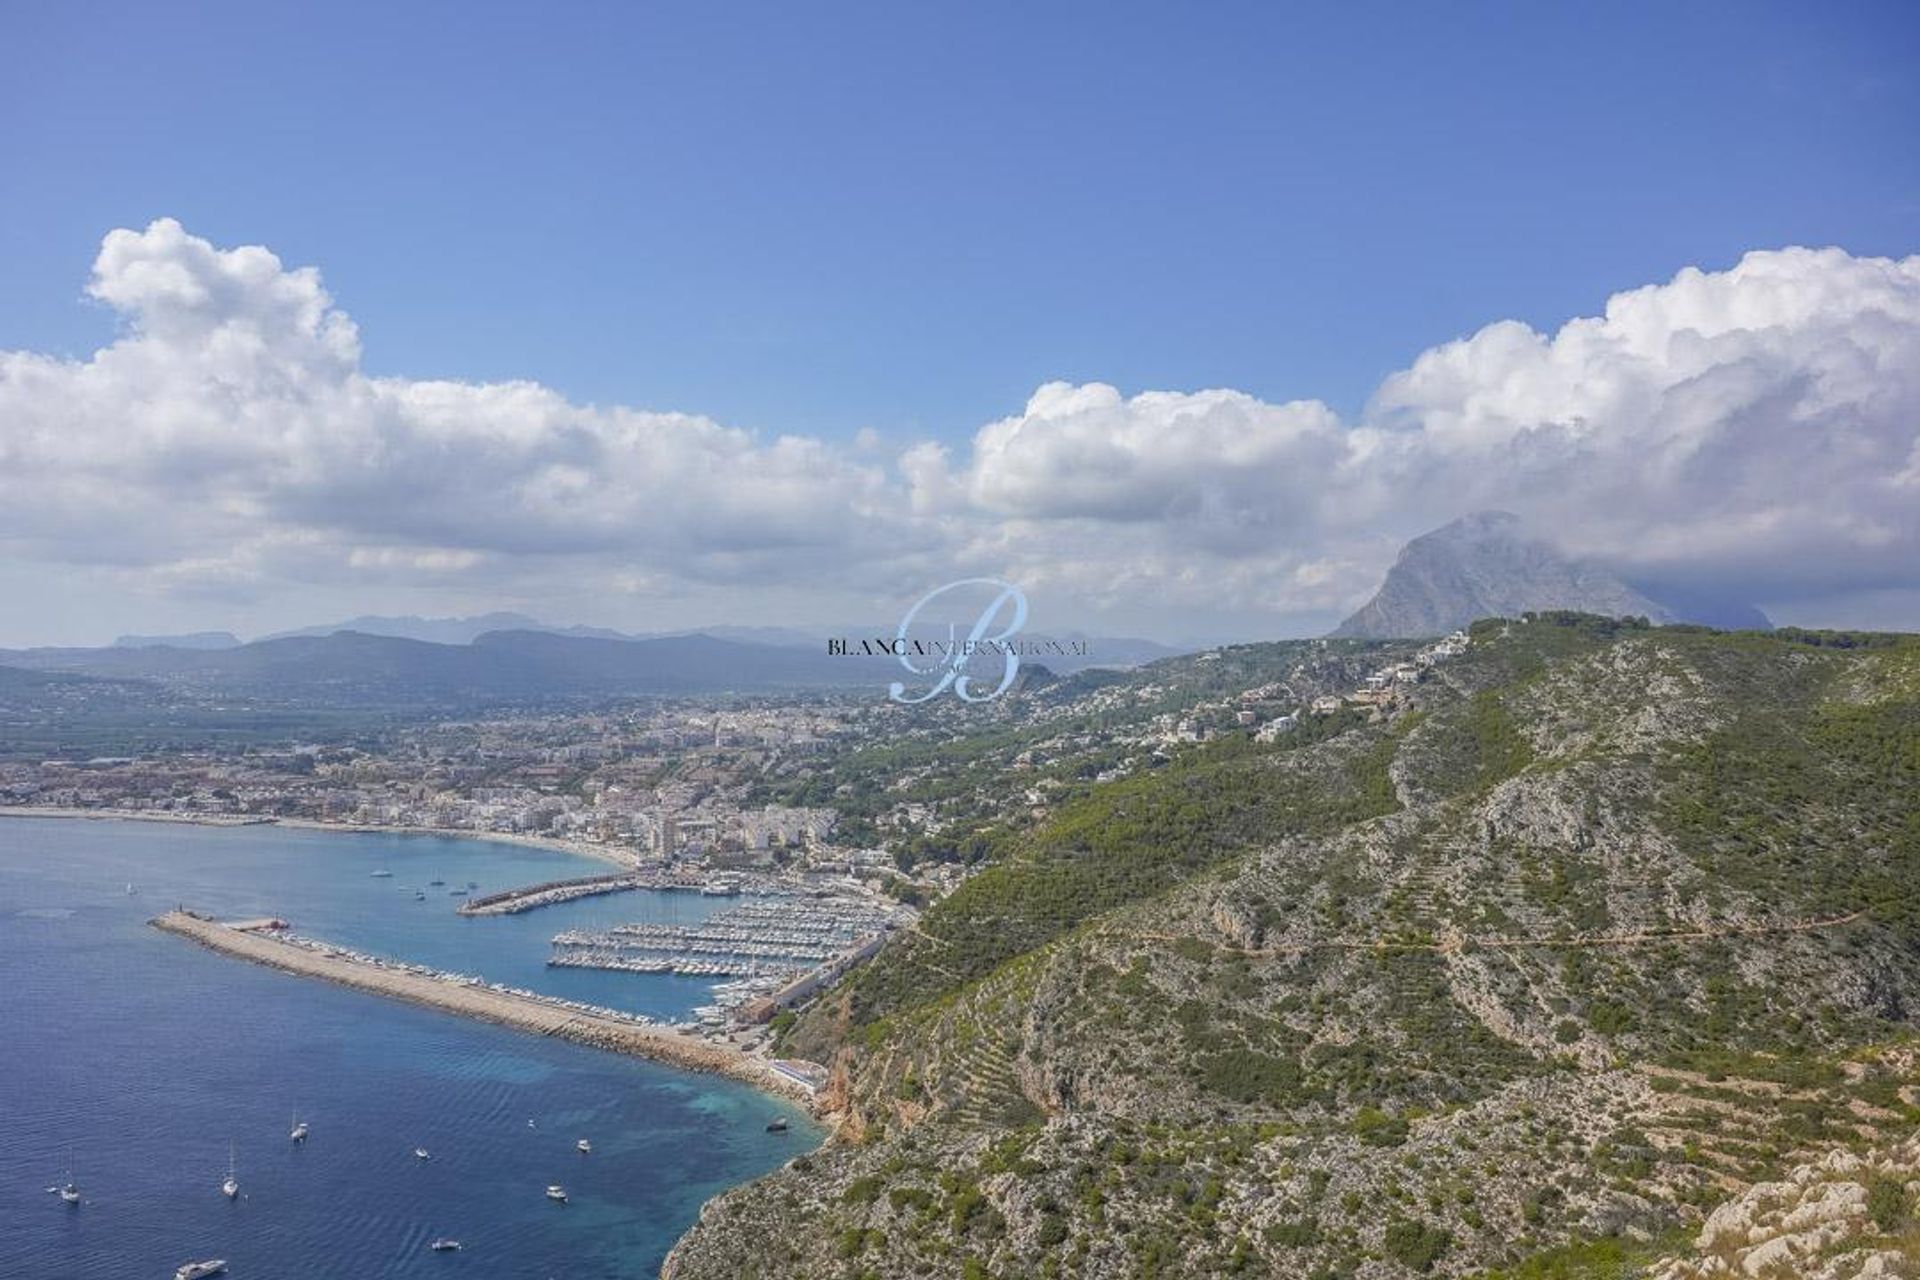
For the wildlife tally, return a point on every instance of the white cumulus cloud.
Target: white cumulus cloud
(1756, 428)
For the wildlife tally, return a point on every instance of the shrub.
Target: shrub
(1887, 1203)
(1415, 1244)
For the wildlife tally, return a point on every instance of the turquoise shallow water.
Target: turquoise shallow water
(135, 1057)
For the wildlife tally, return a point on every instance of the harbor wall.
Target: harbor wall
(486, 1005)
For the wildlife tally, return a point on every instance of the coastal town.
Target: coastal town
(769, 805)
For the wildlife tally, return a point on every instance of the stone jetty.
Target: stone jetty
(473, 998)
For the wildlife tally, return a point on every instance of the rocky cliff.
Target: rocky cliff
(1488, 566)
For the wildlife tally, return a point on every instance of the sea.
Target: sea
(141, 1065)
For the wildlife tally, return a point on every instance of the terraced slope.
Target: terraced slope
(1591, 930)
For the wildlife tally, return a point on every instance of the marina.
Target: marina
(765, 946)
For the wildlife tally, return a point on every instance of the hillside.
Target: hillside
(1519, 974)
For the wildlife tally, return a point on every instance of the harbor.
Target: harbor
(472, 997)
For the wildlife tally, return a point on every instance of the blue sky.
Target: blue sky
(815, 307)
(906, 217)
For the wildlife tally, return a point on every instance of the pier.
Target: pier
(473, 998)
(549, 893)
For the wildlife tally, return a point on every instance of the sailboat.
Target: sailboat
(231, 1187)
(299, 1131)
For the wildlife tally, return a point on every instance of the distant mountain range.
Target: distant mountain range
(350, 668)
(191, 640)
(1490, 565)
(354, 668)
(1106, 651)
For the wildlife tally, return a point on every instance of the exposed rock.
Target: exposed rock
(1487, 566)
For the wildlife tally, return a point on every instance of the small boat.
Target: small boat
(420, 1153)
(419, 895)
(130, 889)
(557, 1192)
(231, 1187)
(200, 1270)
(456, 893)
(584, 1147)
(69, 1192)
(299, 1131)
(777, 1126)
(473, 884)
(381, 874)
(445, 1245)
(436, 882)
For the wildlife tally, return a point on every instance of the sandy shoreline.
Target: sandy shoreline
(486, 1005)
(552, 844)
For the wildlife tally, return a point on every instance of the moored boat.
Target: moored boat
(584, 1147)
(200, 1270)
(445, 1245)
(557, 1192)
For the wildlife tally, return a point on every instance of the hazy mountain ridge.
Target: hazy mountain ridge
(347, 669)
(1600, 924)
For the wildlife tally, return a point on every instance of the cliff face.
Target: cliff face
(1487, 566)
(1521, 973)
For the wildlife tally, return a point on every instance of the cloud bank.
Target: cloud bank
(1756, 429)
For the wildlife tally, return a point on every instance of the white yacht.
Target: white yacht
(299, 1131)
(557, 1192)
(231, 1187)
(584, 1147)
(420, 1153)
(200, 1270)
(445, 1245)
(70, 1191)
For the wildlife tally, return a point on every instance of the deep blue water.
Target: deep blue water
(135, 1057)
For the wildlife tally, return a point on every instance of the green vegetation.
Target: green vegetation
(1646, 928)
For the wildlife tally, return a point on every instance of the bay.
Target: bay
(134, 1058)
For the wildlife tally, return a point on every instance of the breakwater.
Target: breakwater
(470, 997)
(547, 894)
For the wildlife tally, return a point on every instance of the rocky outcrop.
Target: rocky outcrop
(1845, 1217)
(1487, 566)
